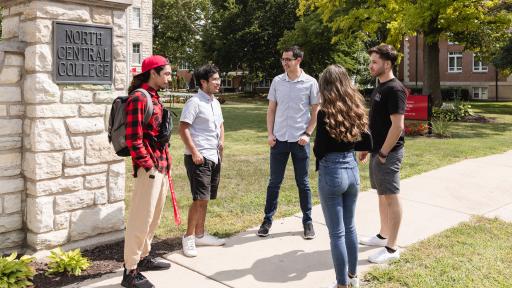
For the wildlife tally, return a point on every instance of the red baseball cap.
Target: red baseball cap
(153, 62)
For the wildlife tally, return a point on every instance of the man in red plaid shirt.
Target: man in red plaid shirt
(150, 164)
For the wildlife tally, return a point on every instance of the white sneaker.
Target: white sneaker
(373, 241)
(383, 256)
(209, 240)
(353, 282)
(189, 246)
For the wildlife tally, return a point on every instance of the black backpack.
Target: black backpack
(117, 122)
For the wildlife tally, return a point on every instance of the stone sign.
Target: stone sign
(82, 53)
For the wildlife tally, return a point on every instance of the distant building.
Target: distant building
(140, 33)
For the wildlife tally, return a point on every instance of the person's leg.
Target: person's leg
(300, 158)
(349, 207)
(394, 218)
(332, 181)
(384, 216)
(159, 178)
(199, 177)
(143, 203)
(196, 218)
(279, 155)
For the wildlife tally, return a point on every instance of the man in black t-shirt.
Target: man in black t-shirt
(387, 110)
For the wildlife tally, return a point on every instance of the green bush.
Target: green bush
(15, 273)
(71, 262)
(452, 111)
(441, 127)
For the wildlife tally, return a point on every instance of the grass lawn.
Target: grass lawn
(477, 253)
(245, 169)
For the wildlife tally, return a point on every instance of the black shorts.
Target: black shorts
(385, 177)
(204, 179)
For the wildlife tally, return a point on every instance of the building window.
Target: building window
(478, 65)
(226, 82)
(136, 56)
(454, 61)
(185, 66)
(479, 92)
(136, 23)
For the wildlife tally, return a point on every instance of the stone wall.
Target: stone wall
(60, 180)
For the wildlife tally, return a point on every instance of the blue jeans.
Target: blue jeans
(338, 186)
(279, 155)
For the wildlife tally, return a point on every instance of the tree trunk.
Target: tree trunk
(431, 80)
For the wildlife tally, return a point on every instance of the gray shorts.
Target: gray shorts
(386, 177)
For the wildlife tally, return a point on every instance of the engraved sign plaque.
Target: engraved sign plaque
(82, 53)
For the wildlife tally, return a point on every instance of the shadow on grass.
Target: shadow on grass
(479, 130)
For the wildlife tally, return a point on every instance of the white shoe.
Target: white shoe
(353, 282)
(189, 246)
(209, 240)
(383, 256)
(373, 241)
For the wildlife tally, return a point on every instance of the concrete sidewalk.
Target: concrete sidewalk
(432, 202)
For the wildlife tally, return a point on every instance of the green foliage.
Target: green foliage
(455, 111)
(15, 273)
(71, 262)
(441, 127)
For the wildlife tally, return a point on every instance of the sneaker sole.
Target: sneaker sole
(262, 235)
(372, 244)
(309, 237)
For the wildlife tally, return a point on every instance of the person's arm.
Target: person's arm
(134, 132)
(304, 138)
(271, 116)
(187, 140)
(221, 141)
(397, 126)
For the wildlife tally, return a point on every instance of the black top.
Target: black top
(325, 143)
(387, 99)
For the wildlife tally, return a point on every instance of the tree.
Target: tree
(178, 26)
(480, 25)
(315, 38)
(244, 34)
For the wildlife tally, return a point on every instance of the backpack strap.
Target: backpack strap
(148, 112)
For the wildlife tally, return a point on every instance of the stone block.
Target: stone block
(10, 164)
(10, 94)
(74, 158)
(49, 135)
(85, 125)
(47, 240)
(119, 49)
(98, 150)
(91, 110)
(96, 181)
(85, 170)
(77, 142)
(39, 88)
(104, 97)
(120, 75)
(49, 187)
(100, 196)
(93, 221)
(55, 10)
(3, 110)
(8, 143)
(77, 96)
(14, 60)
(18, 9)
(119, 23)
(10, 126)
(10, 27)
(40, 214)
(36, 31)
(27, 124)
(38, 58)
(102, 16)
(52, 110)
(10, 222)
(12, 203)
(40, 165)
(116, 182)
(10, 75)
(11, 185)
(61, 221)
(73, 201)
(12, 239)
(16, 110)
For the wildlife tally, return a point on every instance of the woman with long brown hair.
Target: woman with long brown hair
(342, 123)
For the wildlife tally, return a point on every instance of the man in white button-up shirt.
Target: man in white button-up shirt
(202, 132)
(289, 125)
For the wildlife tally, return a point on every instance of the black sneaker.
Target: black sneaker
(264, 229)
(148, 263)
(134, 279)
(309, 232)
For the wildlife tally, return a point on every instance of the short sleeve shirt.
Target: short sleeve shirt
(294, 99)
(388, 98)
(204, 115)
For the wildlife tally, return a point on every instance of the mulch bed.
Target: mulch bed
(477, 118)
(104, 259)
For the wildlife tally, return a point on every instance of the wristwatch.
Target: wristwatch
(306, 133)
(382, 155)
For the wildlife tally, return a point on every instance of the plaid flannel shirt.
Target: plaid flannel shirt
(145, 153)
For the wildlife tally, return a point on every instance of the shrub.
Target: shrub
(71, 262)
(415, 129)
(15, 273)
(441, 127)
(452, 111)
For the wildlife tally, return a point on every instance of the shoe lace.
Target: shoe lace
(191, 245)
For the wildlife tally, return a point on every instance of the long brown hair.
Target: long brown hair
(142, 78)
(345, 113)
